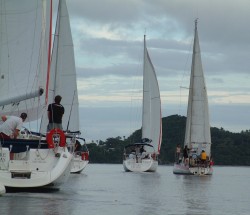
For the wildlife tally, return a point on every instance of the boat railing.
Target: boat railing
(198, 162)
(19, 150)
(21, 144)
(133, 155)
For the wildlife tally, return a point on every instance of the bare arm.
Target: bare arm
(15, 133)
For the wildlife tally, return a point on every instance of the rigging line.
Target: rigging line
(7, 41)
(184, 74)
(32, 49)
(71, 110)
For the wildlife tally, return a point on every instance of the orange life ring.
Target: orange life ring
(56, 136)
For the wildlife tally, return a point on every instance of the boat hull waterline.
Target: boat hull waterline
(146, 165)
(185, 170)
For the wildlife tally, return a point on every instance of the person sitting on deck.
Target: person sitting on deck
(132, 153)
(78, 146)
(143, 152)
(191, 161)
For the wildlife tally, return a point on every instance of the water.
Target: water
(108, 190)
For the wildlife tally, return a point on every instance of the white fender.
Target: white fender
(2, 189)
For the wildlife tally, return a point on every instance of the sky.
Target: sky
(108, 44)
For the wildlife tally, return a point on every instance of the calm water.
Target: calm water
(108, 190)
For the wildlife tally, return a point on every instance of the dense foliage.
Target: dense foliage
(227, 148)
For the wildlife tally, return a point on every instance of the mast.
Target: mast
(192, 78)
(49, 55)
(57, 37)
(144, 92)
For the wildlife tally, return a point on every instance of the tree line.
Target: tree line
(228, 148)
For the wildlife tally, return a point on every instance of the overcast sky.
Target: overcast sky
(108, 41)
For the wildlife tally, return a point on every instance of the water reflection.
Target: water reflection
(149, 184)
(196, 190)
(108, 190)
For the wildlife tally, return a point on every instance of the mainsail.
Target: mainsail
(63, 73)
(197, 126)
(151, 114)
(23, 59)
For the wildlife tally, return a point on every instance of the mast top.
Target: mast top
(196, 23)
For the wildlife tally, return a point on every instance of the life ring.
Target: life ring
(56, 137)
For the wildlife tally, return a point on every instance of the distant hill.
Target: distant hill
(227, 148)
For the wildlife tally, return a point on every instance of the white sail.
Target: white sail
(151, 115)
(23, 59)
(197, 126)
(143, 156)
(63, 74)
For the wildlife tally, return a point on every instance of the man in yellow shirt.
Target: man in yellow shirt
(203, 155)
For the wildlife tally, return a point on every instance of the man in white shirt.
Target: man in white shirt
(11, 126)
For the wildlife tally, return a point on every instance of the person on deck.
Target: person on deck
(11, 126)
(55, 114)
(78, 146)
(143, 152)
(211, 162)
(203, 157)
(185, 154)
(177, 153)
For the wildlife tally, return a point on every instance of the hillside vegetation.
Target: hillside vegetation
(227, 148)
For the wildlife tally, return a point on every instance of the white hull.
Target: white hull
(186, 170)
(35, 168)
(78, 164)
(146, 165)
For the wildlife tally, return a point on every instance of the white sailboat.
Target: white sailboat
(143, 156)
(80, 159)
(197, 136)
(24, 87)
(63, 82)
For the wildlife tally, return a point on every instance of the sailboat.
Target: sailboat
(63, 82)
(81, 157)
(143, 156)
(197, 135)
(41, 159)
